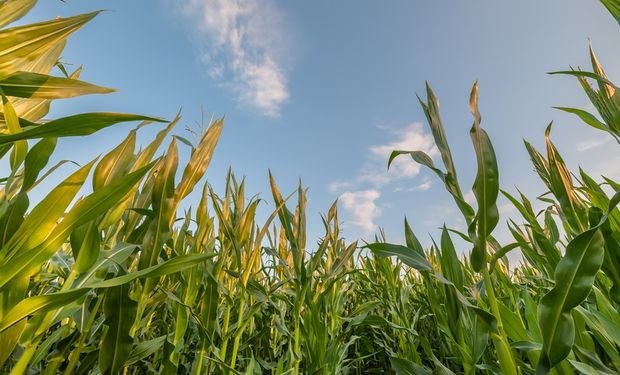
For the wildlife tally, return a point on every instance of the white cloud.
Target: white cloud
(470, 198)
(593, 143)
(338, 186)
(506, 208)
(439, 214)
(361, 204)
(362, 207)
(245, 48)
(374, 174)
(411, 138)
(425, 185)
(608, 168)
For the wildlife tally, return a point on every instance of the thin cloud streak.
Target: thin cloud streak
(593, 143)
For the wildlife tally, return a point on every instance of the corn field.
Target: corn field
(120, 280)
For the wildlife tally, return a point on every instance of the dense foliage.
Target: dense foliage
(119, 281)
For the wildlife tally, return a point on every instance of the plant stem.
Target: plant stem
(500, 340)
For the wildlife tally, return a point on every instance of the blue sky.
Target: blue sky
(323, 90)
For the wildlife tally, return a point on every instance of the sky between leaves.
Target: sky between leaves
(324, 91)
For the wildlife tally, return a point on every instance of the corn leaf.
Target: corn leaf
(76, 125)
(486, 186)
(119, 311)
(41, 86)
(574, 277)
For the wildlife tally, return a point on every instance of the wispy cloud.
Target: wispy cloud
(592, 143)
(411, 138)
(374, 172)
(363, 209)
(506, 208)
(338, 186)
(470, 198)
(424, 185)
(360, 204)
(245, 48)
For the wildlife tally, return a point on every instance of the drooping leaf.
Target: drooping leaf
(586, 117)
(406, 255)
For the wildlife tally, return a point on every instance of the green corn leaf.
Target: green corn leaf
(20, 149)
(579, 73)
(85, 244)
(406, 255)
(174, 265)
(512, 324)
(287, 221)
(12, 10)
(11, 297)
(486, 318)
(486, 186)
(43, 218)
(405, 367)
(378, 321)
(48, 302)
(116, 346)
(501, 253)
(13, 217)
(420, 157)
(42, 86)
(585, 368)
(209, 307)
(114, 164)
(199, 160)
(144, 349)
(76, 125)
(45, 302)
(36, 39)
(163, 206)
(423, 158)
(107, 260)
(143, 157)
(451, 267)
(84, 211)
(37, 159)
(613, 6)
(431, 110)
(586, 117)
(412, 241)
(540, 163)
(561, 185)
(574, 277)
